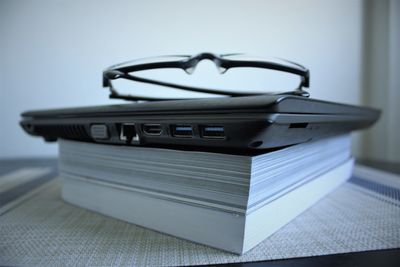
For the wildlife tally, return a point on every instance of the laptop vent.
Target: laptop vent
(67, 131)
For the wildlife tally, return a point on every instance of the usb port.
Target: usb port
(128, 133)
(212, 132)
(182, 130)
(152, 129)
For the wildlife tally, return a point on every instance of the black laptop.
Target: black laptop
(235, 121)
(254, 122)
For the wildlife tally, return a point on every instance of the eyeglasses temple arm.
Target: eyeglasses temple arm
(178, 86)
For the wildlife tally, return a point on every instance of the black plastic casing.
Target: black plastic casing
(249, 123)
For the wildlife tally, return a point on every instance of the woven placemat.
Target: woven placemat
(43, 230)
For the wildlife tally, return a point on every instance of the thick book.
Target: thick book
(231, 202)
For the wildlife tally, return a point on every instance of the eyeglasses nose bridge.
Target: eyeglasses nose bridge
(202, 56)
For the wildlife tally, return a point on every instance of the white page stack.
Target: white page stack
(230, 202)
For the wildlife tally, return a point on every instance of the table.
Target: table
(38, 174)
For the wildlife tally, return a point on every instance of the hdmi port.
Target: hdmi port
(152, 129)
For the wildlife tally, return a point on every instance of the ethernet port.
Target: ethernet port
(128, 133)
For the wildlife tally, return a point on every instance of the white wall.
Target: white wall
(52, 53)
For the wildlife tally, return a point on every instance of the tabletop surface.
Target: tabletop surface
(45, 172)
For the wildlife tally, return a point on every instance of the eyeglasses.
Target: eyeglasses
(188, 64)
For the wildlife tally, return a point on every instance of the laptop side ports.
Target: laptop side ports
(212, 132)
(182, 130)
(128, 133)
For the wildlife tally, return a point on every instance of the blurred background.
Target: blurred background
(52, 53)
